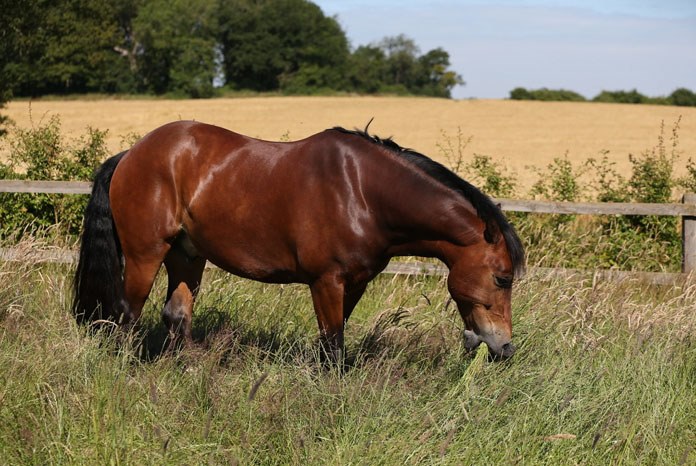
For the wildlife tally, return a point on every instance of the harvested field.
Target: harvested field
(516, 133)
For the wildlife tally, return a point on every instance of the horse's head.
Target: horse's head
(480, 282)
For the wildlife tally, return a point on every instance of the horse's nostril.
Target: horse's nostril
(508, 350)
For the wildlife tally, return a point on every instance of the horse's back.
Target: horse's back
(279, 211)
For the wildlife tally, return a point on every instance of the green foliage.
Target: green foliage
(186, 48)
(652, 181)
(609, 185)
(491, 177)
(63, 47)
(559, 182)
(177, 39)
(683, 97)
(630, 97)
(286, 44)
(41, 154)
(590, 242)
(404, 71)
(367, 69)
(622, 97)
(649, 242)
(8, 17)
(545, 94)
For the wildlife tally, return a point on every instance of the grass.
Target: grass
(604, 374)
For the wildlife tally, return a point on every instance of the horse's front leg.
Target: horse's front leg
(328, 293)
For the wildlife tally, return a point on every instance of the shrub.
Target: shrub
(559, 182)
(491, 177)
(621, 97)
(40, 154)
(683, 97)
(545, 94)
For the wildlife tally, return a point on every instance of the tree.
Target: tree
(176, 48)
(545, 94)
(10, 18)
(520, 93)
(272, 44)
(182, 46)
(395, 66)
(683, 97)
(622, 97)
(435, 78)
(367, 69)
(401, 57)
(64, 46)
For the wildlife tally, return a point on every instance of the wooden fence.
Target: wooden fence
(686, 210)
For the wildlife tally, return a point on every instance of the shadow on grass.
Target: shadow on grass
(390, 333)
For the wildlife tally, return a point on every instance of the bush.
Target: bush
(683, 97)
(545, 94)
(41, 154)
(626, 242)
(491, 177)
(621, 97)
(559, 182)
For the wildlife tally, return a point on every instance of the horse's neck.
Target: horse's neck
(429, 221)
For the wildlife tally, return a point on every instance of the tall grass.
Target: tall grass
(604, 374)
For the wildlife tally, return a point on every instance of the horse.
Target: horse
(329, 211)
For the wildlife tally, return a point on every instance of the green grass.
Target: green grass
(612, 367)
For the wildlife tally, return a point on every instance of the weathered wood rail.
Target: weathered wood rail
(686, 210)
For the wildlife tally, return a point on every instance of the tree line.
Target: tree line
(191, 47)
(682, 97)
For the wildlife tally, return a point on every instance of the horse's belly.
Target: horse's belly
(257, 257)
(255, 269)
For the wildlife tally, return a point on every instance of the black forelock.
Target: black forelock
(486, 209)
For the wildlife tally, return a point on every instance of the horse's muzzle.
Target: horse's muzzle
(508, 350)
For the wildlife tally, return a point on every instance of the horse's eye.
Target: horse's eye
(503, 282)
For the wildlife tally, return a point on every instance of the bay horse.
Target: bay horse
(329, 211)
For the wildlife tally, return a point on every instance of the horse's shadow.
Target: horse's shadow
(217, 331)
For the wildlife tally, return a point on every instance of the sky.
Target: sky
(585, 46)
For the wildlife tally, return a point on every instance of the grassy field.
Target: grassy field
(604, 374)
(516, 133)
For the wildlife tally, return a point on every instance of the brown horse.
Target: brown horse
(329, 211)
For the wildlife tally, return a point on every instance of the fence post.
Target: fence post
(689, 237)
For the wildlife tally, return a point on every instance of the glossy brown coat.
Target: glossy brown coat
(329, 211)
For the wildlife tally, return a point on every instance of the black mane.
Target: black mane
(485, 208)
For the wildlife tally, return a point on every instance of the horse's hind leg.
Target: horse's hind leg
(184, 275)
(138, 276)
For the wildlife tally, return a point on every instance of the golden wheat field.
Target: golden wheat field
(517, 134)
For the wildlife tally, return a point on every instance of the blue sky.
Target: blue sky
(586, 46)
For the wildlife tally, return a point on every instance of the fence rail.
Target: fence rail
(67, 256)
(686, 209)
(50, 187)
(514, 205)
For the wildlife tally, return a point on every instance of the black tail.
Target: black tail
(98, 281)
